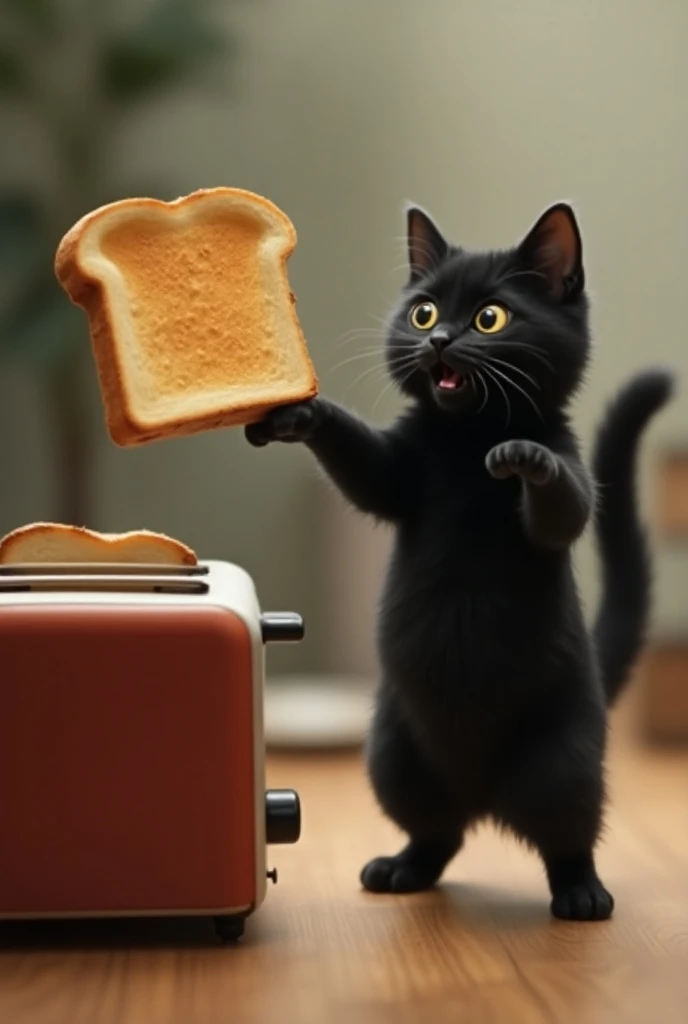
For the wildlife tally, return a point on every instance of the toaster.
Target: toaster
(132, 774)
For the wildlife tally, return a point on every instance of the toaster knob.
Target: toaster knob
(282, 816)
(281, 627)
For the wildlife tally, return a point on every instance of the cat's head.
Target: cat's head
(501, 333)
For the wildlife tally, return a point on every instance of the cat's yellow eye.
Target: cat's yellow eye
(424, 316)
(491, 319)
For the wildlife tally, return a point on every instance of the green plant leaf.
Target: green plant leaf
(11, 72)
(173, 41)
(42, 326)
(22, 233)
(38, 15)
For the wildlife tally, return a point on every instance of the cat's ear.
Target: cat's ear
(554, 249)
(426, 245)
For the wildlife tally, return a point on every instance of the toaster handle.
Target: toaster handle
(281, 627)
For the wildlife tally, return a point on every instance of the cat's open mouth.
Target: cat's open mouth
(446, 379)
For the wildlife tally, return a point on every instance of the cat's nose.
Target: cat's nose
(440, 338)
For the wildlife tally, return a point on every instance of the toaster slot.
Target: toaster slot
(122, 583)
(101, 569)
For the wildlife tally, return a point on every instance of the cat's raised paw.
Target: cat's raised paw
(532, 462)
(586, 902)
(394, 874)
(287, 423)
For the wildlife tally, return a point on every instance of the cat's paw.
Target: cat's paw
(532, 462)
(395, 874)
(287, 423)
(585, 902)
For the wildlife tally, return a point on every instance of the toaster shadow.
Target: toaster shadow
(115, 933)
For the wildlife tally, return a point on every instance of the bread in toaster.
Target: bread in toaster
(56, 543)
(192, 320)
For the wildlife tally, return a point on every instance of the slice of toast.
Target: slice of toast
(56, 543)
(192, 320)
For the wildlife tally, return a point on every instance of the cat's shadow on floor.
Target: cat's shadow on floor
(489, 907)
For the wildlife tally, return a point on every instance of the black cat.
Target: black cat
(493, 695)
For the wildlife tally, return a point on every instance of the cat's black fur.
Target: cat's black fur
(493, 695)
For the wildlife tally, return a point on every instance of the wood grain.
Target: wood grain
(482, 948)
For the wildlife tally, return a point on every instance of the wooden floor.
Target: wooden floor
(482, 948)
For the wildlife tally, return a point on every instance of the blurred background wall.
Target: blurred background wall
(484, 112)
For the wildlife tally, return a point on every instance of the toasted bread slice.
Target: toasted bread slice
(55, 543)
(192, 320)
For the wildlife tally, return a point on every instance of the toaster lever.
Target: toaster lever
(281, 627)
(282, 816)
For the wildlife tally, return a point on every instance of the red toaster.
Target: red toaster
(132, 777)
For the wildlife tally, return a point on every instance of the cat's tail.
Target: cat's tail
(623, 614)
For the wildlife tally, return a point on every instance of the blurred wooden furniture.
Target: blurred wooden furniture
(664, 680)
(664, 666)
(482, 948)
(671, 505)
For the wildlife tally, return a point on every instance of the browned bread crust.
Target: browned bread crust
(45, 543)
(192, 320)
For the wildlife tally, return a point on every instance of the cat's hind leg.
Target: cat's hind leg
(416, 798)
(554, 800)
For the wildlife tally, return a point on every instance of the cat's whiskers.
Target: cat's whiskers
(382, 333)
(358, 333)
(392, 364)
(480, 377)
(366, 354)
(392, 383)
(398, 364)
(384, 324)
(516, 369)
(513, 383)
(521, 346)
(490, 374)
